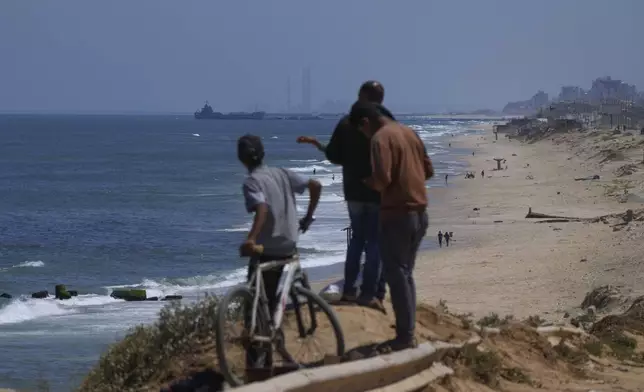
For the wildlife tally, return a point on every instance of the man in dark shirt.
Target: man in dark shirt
(351, 149)
(400, 167)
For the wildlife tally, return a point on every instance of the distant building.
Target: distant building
(530, 106)
(606, 88)
(571, 93)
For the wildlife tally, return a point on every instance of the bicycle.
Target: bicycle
(266, 331)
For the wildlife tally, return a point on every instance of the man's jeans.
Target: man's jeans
(364, 237)
(400, 237)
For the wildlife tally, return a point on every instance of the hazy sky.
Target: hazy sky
(171, 55)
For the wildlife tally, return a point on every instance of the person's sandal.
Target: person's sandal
(394, 345)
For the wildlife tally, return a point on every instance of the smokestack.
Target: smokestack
(306, 90)
(288, 94)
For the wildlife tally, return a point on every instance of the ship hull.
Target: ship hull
(215, 116)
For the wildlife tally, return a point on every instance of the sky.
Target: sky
(160, 56)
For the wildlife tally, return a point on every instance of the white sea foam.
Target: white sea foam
(309, 169)
(35, 263)
(25, 264)
(25, 309)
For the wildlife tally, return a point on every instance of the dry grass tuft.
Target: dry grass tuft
(149, 356)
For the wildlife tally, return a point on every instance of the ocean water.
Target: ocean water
(100, 202)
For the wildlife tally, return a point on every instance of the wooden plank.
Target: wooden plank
(419, 380)
(356, 376)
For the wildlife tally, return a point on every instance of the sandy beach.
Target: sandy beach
(501, 262)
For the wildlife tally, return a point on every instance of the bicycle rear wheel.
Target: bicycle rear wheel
(313, 323)
(232, 350)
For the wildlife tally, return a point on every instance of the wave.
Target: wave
(309, 169)
(235, 230)
(24, 308)
(326, 198)
(26, 264)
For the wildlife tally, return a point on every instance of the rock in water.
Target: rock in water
(40, 294)
(5, 295)
(61, 292)
(130, 294)
(73, 293)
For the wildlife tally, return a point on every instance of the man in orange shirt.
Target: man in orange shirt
(400, 167)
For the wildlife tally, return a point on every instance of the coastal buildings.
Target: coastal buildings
(609, 102)
(530, 106)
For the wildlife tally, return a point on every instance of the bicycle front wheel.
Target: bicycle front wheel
(311, 330)
(233, 333)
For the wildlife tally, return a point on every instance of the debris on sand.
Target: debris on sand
(588, 178)
(610, 155)
(602, 298)
(625, 170)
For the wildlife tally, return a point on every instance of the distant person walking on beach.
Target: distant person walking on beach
(482, 173)
(446, 175)
(351, 149)
(447, 236)
(400, 167)
(440, 239)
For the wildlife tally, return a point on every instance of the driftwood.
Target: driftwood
(589, 178)
(537, 215)
(616, 221)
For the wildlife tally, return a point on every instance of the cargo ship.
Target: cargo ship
(206, 113)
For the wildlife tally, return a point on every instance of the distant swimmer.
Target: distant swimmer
(446, 175)
(333, 177)
(482, 173)
(314, 171)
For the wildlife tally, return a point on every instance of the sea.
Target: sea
(103, 202)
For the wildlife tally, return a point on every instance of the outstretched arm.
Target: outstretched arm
(312, 141)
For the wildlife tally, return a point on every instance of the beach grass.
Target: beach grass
(157, 353)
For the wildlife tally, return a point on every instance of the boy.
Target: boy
(270, 193)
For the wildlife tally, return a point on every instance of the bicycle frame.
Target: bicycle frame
(294, 268)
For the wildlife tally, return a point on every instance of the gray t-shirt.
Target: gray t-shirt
(276, 187)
